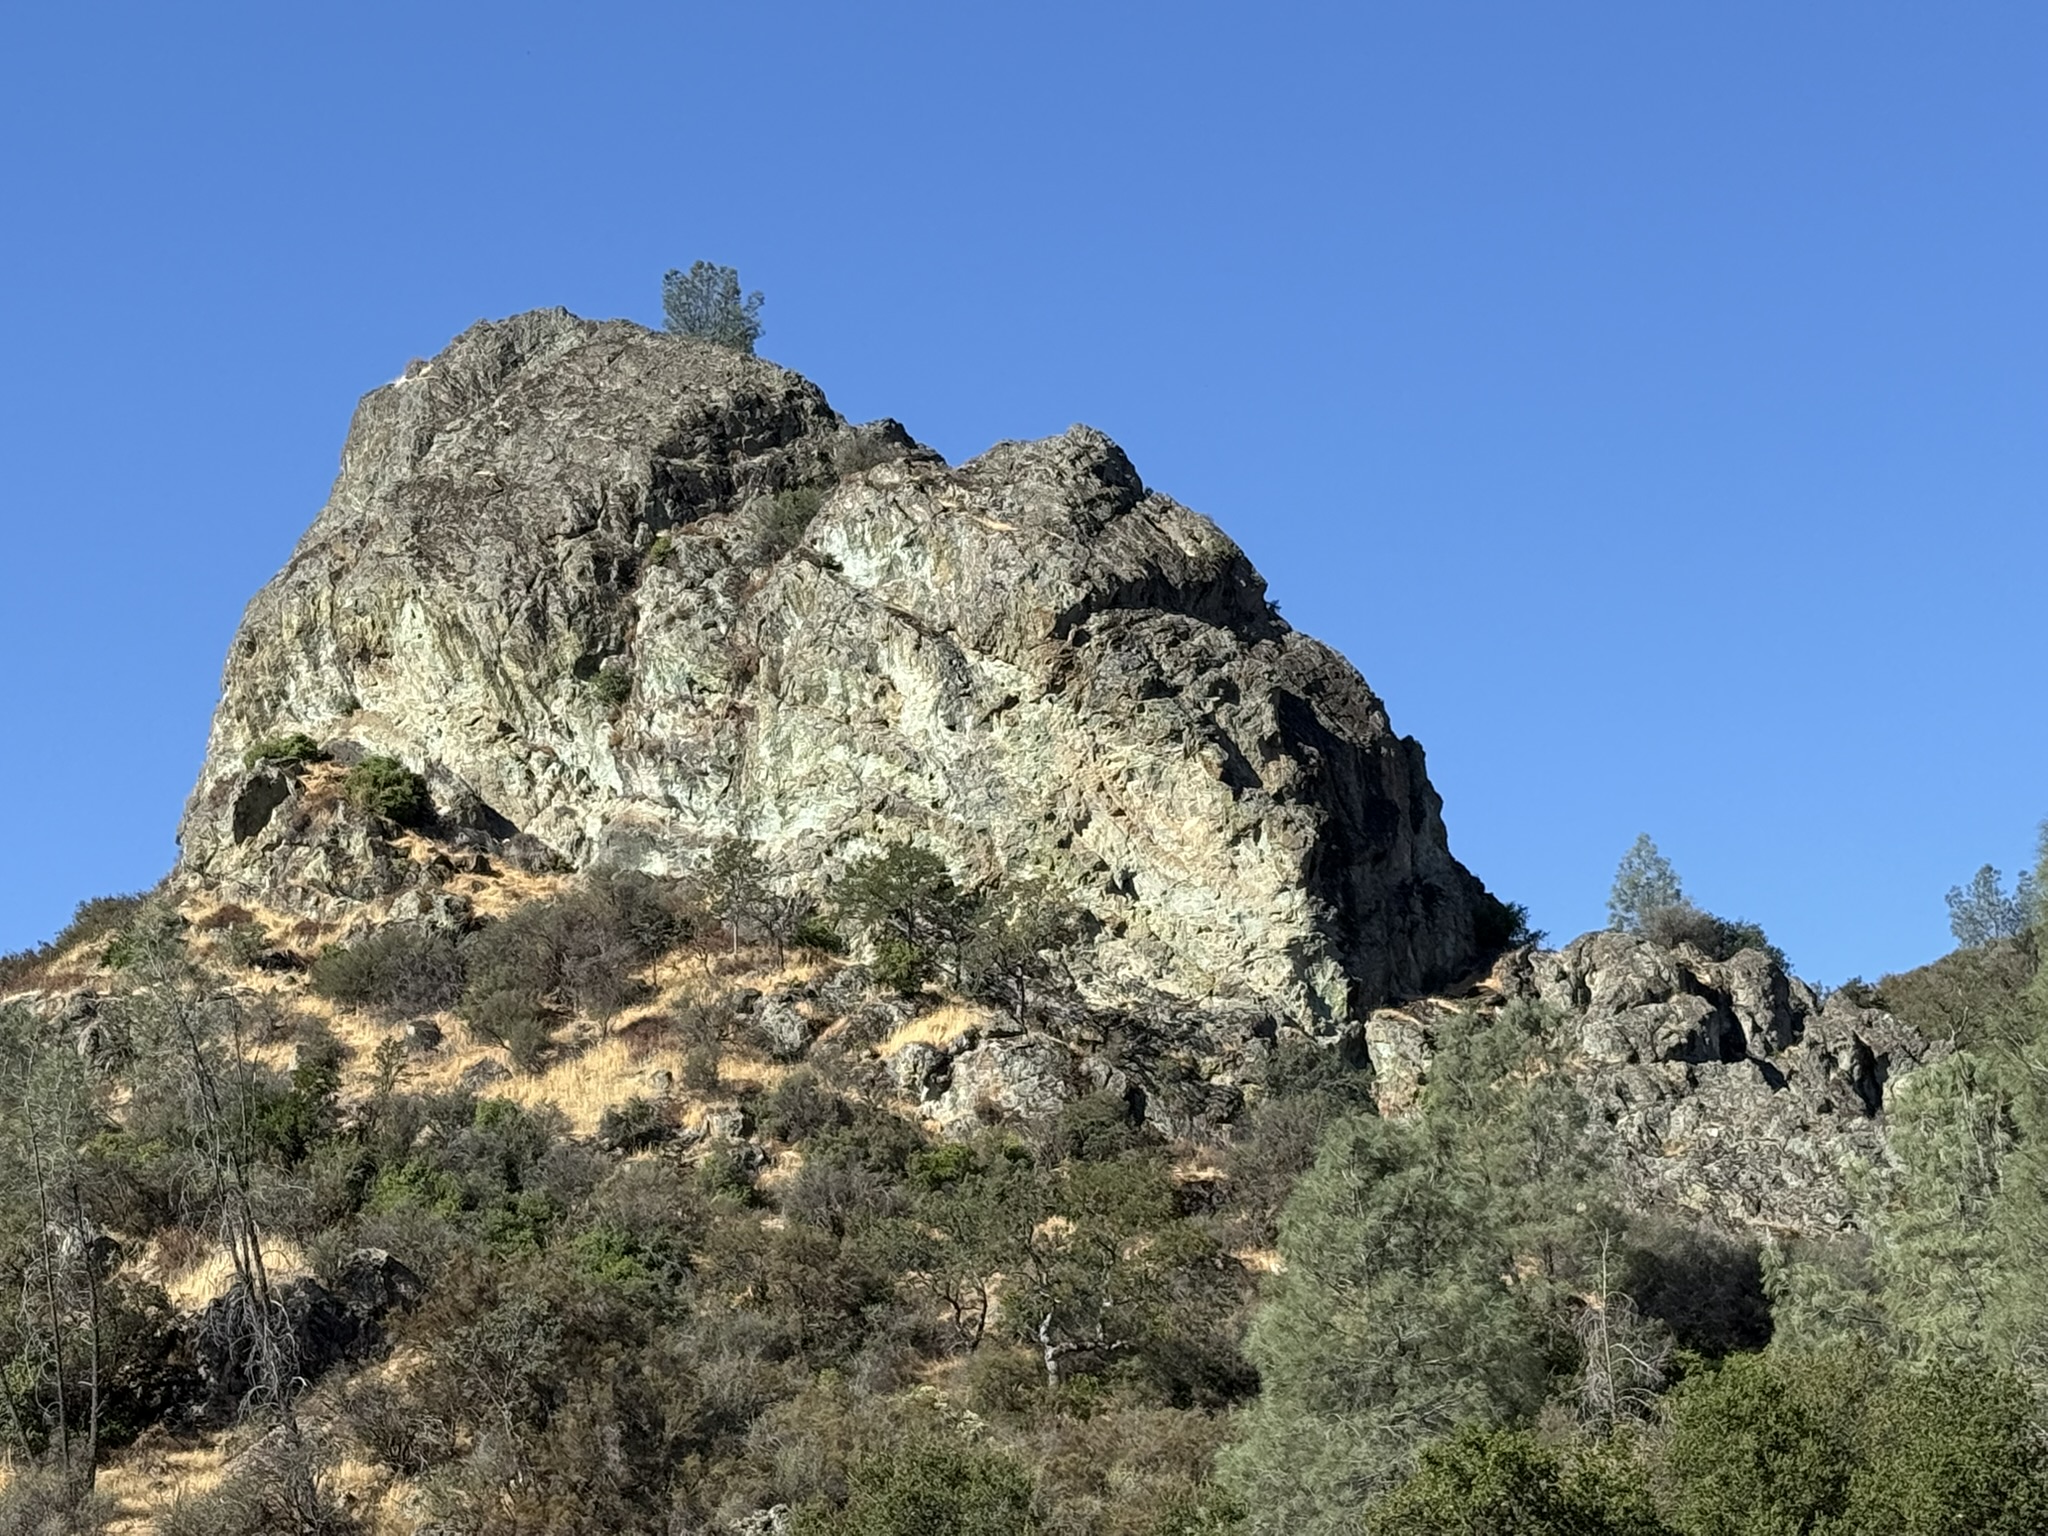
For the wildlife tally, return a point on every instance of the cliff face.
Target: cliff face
(626, 594)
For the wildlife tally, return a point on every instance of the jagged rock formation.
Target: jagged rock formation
(1725, 1088)
(554, 575)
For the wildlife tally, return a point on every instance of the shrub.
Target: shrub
(1766, 1442)
(1498, 926)
(289, 750)
(632, 1126)
(785, 517)
(99, 918)
(44, 1502)
(815, 934)
(385, 787)
(903, 966)
(1719, 938)
(516, 1020)
(276, 1486)
(916, 1489)
(1505, 1480)
(612, 686)
(398, 970)
(1953, 1448)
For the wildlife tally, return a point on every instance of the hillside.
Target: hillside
(726, 975)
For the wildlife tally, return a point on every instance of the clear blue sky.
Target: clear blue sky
(1648, 398)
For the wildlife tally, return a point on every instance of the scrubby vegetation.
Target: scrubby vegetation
(385, 787)
(290, 749)
(685, 1268)
(1647, 899)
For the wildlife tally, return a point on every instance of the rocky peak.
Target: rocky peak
(619, 594)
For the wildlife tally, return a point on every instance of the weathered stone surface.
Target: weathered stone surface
(1031, 663)
(1720, 1087)
(1026, 1077)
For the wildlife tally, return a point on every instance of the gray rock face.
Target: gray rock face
(552, 577)
(1720, 1087)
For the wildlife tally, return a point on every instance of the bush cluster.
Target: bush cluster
(291, 749)
(512, 980)
(385, 787)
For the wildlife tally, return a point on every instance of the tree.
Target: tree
(706, 302)
(1388, 1325)
(1766, 1443)
(1643, 884)
(913, 912)
(54, 1259)
(736, 889)
(1982, 913)
(1017, 941)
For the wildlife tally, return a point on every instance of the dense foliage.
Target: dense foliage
(1044, 1327)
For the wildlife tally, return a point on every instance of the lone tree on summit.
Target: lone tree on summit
(705, 302)
(1644, 883)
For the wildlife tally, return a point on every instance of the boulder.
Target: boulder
(1026, 1078)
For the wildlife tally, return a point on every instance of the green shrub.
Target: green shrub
(632, 1126)
(1491, 1480)
(612, 686)
(385, 787)
(99, 918)
(1499, 925)
(1949, 1449)
(786, 517)
(395, 972)
(1719, 938)
(289, 750)
(815, 934)
(924, 1489)
(1766, 1443)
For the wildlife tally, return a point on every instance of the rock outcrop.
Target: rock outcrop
(619, 595)
(1724, 1088)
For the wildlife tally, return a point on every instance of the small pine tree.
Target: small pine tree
(1644, 883)
(1982, 913)
(706, 302)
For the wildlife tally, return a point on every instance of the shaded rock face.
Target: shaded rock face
(552, 577)
(1721, 1087)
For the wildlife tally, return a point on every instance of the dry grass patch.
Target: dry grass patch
(584, 1086)
(193, 1278)
(149, 1476)
(942, 1026)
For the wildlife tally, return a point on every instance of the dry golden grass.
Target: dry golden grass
(942, 1026)
(149, 1476)
(192, 1281)
(585, 1086)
